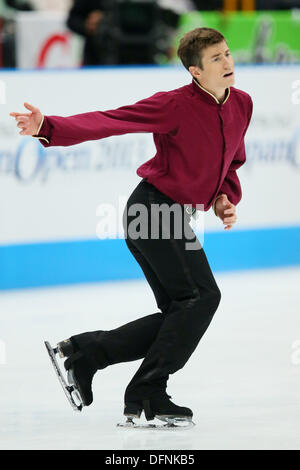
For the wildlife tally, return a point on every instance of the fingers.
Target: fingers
(232, 220)
(226, 202)
(22, 121)
(31, 108)
(23, 124)
(228, 212)
(230, 217)
(15, 115)
(22, 118)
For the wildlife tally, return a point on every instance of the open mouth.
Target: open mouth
(229, 74)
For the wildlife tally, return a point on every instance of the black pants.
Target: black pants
(185, 291)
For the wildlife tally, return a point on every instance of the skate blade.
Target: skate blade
(184, 422)
(70, 390)
(75, 388)
(172, 424)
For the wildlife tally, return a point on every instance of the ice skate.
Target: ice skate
(175, 417)
(79, 374)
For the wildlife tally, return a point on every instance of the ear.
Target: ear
(195, 71)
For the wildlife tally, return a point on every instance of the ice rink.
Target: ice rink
(243, 381)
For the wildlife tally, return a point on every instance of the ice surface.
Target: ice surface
(242, 382)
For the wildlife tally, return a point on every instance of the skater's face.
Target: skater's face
(217, 72)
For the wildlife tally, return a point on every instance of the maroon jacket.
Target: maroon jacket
(199, 142)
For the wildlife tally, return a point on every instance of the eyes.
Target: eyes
(217, 59)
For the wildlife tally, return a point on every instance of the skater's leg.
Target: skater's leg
(162, 297)
(192, 308)
(126, 343)
(131, 341)
(189, 282)
(98, 349)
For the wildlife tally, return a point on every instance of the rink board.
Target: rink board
(44, 264)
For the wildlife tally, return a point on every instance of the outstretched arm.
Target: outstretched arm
(156, 114)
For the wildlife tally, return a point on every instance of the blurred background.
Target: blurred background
(64, 265)
(66, 33)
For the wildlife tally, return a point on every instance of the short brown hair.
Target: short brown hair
(194, 42)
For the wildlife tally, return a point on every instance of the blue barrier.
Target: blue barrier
(84, 261)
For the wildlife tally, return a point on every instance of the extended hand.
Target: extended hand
(226, 211)
(28, 122)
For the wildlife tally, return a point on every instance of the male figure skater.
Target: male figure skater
(198, 131)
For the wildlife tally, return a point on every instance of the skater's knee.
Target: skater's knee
(215, 297)
(211, 297)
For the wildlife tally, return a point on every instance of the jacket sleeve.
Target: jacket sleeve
(156, 114)
(231, 185)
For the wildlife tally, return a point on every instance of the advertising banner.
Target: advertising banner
(44, 41)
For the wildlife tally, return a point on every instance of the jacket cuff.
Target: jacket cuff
(43, 132)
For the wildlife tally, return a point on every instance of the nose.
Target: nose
(227, 63)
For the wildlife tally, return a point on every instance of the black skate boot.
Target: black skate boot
(160, 407)
(80, 366)
(133, 409)
(80, 371)
(66, 348)
(84, 358)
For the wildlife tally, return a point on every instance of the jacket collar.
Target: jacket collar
(206, 95)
